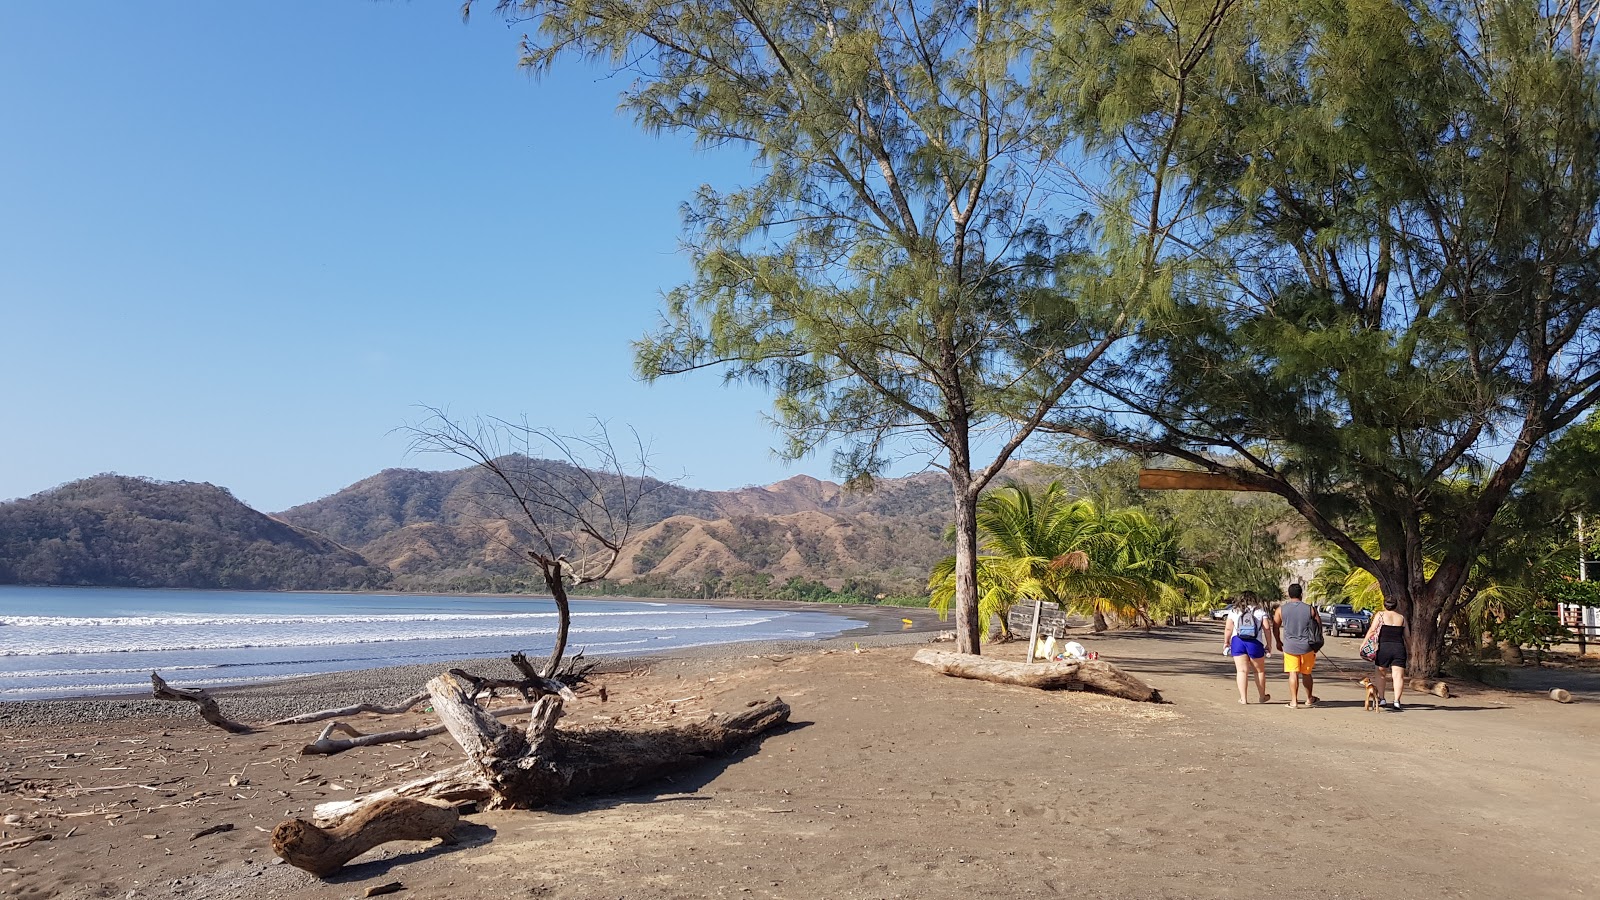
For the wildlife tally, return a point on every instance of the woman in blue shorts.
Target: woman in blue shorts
(1248, 640)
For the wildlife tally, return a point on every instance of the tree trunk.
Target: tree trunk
(969, 630)
(1089, 674)
(558, 592)
(1100, 623)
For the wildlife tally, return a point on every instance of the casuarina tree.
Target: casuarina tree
(1395, 293)
(907, 272)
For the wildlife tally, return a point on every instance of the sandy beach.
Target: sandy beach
(891, 781)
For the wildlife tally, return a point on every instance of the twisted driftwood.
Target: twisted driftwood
(1088, 674)
(208, 704)
(322, 851)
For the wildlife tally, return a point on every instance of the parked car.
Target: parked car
(1221, 614)
(1345, 619)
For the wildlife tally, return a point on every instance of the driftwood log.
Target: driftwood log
(391, 709)
(510, 767)
(208, 704)
(328, 745)
(322, 851)
(1089, 674)
(1560, 696)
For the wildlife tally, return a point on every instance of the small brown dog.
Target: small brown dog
(1372, 695)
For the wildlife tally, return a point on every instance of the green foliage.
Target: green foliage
(1390, 299)
(1233, 538)
(1576, 593)
(1045, 546)
(1533, 627)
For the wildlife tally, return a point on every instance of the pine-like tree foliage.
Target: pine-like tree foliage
(908, 265)
(1393, 287)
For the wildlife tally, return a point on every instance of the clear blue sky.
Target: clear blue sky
(239, 242)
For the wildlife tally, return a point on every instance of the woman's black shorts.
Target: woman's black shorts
(1390, 655)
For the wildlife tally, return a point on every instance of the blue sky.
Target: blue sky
(240, 242)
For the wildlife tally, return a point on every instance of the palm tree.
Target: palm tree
(1046, 546)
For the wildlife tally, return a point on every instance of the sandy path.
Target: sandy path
(897, 782)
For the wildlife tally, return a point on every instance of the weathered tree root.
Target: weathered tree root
(322, 851)
(208, 704)
(1089, 674)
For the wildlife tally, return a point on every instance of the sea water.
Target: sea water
(67, 642)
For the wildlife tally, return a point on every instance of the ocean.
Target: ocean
(70, 642)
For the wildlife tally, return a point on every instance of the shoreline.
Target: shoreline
(264, 701)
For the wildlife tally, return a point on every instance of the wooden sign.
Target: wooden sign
(1191, 480)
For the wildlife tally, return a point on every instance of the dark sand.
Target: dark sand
(892, 781)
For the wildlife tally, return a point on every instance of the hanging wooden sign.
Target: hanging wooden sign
(1191, 480)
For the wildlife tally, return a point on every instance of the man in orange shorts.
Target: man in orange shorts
(1298, 630)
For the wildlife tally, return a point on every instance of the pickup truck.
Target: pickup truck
(1343, 619)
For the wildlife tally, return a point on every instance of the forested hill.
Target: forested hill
(424, 527)
(411, 530)
(135, 532)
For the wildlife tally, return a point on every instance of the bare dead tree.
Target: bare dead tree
(570, 501)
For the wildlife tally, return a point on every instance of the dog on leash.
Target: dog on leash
(1372, 695)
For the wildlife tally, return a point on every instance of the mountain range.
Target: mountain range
(408, 529)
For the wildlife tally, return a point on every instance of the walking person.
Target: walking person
(1298, 630)
(1390, 627)
(1248, 640)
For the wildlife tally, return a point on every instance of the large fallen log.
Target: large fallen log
(322, 851)
(1089, 674)
(552, 764)
(207, 703)
(543, 765)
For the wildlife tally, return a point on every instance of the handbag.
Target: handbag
(1369, 647)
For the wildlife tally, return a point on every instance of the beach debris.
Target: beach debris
(378, 890)
(1560, 696)
(14, 843)
(208, 704)
(215, 829)
(323, 851)
(346, 711)
(1088, 674)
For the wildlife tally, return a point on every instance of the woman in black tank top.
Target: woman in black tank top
(1390, 627)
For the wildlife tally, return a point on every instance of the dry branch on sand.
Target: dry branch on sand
(1089, 674)
(343, 711)
(328, 745)
(208, 704)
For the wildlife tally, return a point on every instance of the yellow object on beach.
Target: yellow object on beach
(908, 622)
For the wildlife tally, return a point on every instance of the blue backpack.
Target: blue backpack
(1249, 628)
